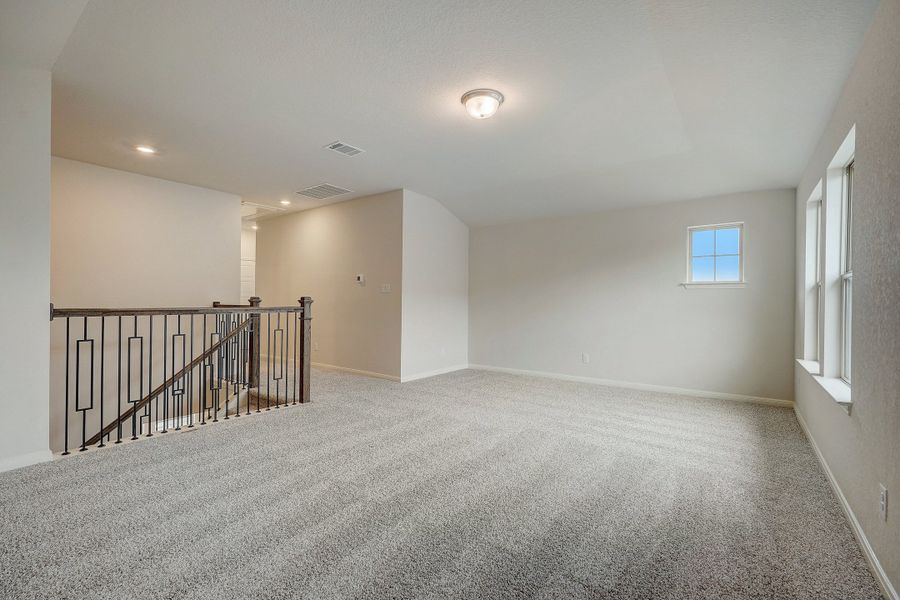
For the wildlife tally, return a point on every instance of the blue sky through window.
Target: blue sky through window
(715, 254)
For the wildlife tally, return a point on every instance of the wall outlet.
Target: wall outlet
(883, 502)
(385, 288)
(361, 279)
(315, 346)
(585, 357)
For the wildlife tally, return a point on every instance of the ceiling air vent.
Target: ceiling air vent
(323, 191)
(345, 149)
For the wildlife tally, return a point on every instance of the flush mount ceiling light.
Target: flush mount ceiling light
(145, 149)
(482, 103)
(254, 227)
(285, 202)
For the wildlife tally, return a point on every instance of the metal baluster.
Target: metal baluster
(150, 425)
(66, 416)
(102, 381)
(119, 389)
(203, 381)
(177, 402)
(165, 393)
(190, 377)
(269, 359)
(134, 412)
(295, 355)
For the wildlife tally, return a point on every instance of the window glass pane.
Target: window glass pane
(728, 268)
(703, 242)
(702, 269)
(728, 241)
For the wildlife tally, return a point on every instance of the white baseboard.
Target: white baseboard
(23, 460)
(319, 365)
(434, 373)
(874, 565)
(640, 386)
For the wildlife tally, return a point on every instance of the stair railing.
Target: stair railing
(152, 370)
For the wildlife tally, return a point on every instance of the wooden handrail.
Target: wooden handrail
(132, 312)
(163, 386)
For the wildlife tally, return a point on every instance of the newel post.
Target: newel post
(305, 330)
(253, 376)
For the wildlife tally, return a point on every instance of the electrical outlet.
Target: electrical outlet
(315, 346)
(585, 357)
(883, 502)
(385, 288)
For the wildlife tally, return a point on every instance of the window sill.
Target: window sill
(835, 387)
(713, 284)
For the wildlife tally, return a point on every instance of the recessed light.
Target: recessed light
(145, 149)
(254, 227)
(285, 202)
(482, 103)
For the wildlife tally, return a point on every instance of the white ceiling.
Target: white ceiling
(608, 103)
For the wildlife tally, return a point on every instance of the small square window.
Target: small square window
(715, 253)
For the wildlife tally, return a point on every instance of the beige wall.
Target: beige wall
(435, 288)
(544, 292)
(123, 240)
(862, 449)
(24, 264)
(126, 240)
(318, 253)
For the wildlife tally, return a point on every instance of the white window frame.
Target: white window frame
(846, 312)
(689, 281)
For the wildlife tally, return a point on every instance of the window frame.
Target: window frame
(740, 281)
(846, 271)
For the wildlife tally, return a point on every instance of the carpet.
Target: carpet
(466, 485)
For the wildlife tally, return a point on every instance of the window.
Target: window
(813, 274)
(715, 253)
(846, 271)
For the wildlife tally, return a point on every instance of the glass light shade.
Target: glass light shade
(481, 104)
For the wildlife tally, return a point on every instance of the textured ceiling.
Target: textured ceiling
(608, 103)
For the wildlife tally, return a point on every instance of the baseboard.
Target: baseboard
(874, 565)
(426, 374)
(23, 460)
(640, 386)
(319, 365)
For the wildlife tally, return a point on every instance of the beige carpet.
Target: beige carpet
(467, 485)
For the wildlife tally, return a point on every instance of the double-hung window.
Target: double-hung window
(846, 271)
(716, 253)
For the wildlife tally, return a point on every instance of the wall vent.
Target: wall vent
(323, 191)
(345, 149)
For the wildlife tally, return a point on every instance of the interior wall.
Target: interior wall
(319, 253)
(24, 264)
(544, 292)
(435, 337)
(248, 264)
(862, 448)
(125, 240)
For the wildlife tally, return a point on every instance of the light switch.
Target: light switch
(385, 288)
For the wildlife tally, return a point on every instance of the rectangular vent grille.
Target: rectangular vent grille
(323, 191)
(345, 149)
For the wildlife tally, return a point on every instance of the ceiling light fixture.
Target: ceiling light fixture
(254, 227)
(285, 202)
(482, 103)
(145, 149)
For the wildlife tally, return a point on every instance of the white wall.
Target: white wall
(318, 253)
(435, 334)
(862, 448)
(544, 292)
(24, 264)
(248, 264)
(126, 240)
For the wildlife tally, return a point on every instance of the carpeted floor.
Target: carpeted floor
(467, 485)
